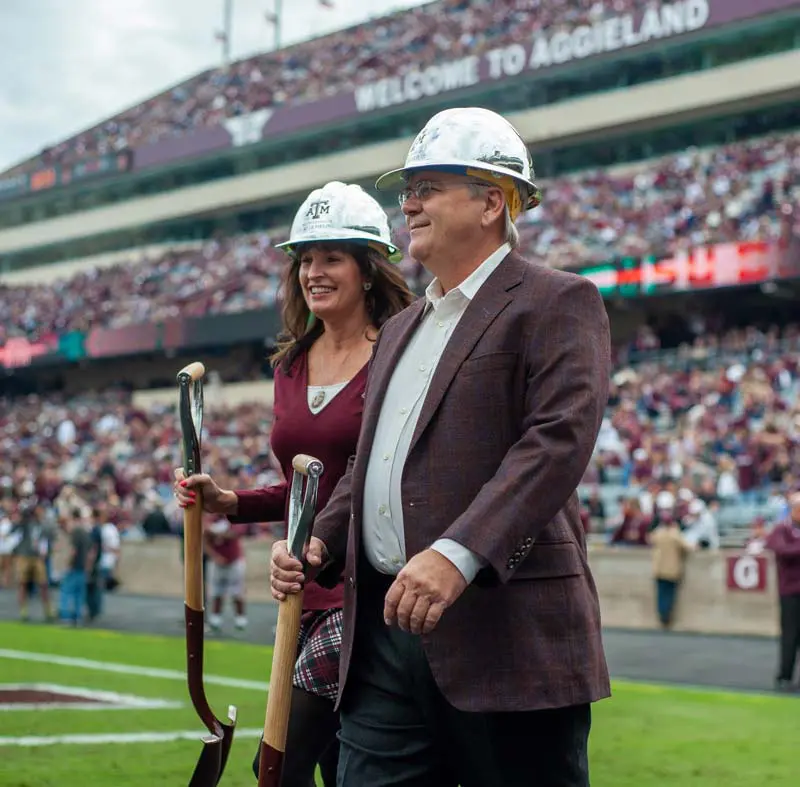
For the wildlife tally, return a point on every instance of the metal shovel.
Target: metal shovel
(302, 505)
(217, 744)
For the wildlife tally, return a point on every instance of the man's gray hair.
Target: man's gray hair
(511, 233)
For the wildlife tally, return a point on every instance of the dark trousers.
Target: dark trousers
(666, 590)
(790, 635)
(397, 729)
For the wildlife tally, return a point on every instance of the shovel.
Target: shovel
(302, 505)
(217, 744)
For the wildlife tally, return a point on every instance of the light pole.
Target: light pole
(275, 17)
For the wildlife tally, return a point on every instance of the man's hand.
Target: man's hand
(286, 572)
(424, 588)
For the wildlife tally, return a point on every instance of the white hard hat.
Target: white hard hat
(342, 212)
(472, 141)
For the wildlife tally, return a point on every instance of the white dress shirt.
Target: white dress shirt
(383, 534)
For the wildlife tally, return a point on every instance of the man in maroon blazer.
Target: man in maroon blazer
(472, 643)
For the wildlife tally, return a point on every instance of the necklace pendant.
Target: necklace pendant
(319, 398)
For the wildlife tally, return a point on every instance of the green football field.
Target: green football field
(645, 735)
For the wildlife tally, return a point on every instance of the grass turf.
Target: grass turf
(646, 735)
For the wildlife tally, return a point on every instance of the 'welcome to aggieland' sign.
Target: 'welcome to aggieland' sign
(548, 49)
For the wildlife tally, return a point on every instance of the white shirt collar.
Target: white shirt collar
(469, 287)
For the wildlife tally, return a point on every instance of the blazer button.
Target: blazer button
(351, 581)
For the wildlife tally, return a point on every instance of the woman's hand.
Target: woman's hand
(215, 500)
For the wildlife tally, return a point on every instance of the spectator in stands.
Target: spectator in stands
(234, 274)
(700, 525)
(632, 530)
(32, 537)
(670, 549)
(338, 292)
(784, 541)
(379, 48)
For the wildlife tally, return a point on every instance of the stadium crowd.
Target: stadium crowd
(716, 421)
(380, 48)
(714, 425)
(738, 192)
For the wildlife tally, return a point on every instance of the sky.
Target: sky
(67, 64)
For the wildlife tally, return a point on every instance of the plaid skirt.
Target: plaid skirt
(318, 647)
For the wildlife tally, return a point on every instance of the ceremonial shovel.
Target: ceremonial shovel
(217, 744)
(307, 471)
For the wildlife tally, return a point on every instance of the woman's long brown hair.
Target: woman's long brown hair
(388, 296)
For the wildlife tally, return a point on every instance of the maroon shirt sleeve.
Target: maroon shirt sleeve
(260, 505)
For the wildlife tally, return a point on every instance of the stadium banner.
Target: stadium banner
(63, 174)
(14, 186)
(549, 49)
(198, 142)
(214, 330)
(19, 352)
(702, 268)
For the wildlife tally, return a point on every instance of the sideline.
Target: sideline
(128, 669)
(130, 737)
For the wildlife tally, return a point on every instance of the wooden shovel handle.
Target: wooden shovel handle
(193, 553)
(284, 657)
(195, 370)
(302, 462)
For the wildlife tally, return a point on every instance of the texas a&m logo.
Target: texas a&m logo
(319, 208)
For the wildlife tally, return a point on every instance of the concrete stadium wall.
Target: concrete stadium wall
(623, 577)
(222, 395)
(752, 83)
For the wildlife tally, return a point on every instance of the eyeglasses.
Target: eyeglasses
(423, 189)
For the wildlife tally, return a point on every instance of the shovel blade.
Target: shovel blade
(225, 747)
(209, 765)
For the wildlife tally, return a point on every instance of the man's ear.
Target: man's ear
(494, 206)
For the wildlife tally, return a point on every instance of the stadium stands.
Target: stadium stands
(387, 46)
(738, 192)
(718, 420)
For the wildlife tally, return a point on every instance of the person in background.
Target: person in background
(670, 549)
(632, 531)
(94, 584)
(109, 562)
(784, 541)
(339, 290)
(7, 544)
(226, 571)
(73, 589)
(700, 525)
(31, 536)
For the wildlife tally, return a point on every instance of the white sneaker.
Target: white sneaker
(215, 622)
(240, 622)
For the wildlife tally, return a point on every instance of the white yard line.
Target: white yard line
(131, 737)
(103, 700)
(128, 669)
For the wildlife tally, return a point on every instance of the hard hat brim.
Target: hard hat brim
(348, 236)
(396, 179)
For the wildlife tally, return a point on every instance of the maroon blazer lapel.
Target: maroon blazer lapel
(488, 302)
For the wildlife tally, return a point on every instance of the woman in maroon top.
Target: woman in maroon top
(338, 292)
